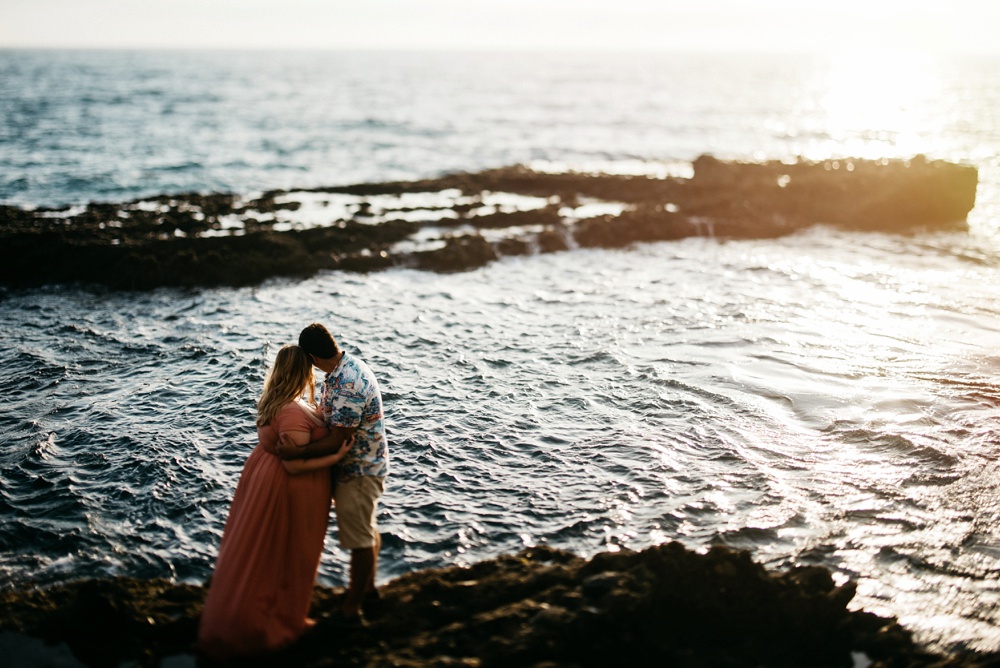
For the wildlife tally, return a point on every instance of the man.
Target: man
(351, 404)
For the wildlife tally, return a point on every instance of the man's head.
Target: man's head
(318, 342)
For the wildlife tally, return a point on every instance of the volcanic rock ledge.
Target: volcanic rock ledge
(463, 221)
(664, 606)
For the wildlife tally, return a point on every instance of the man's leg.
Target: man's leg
(357, 501)
(377, 549)
(362, 577)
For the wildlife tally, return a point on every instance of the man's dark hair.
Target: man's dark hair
(318, 342)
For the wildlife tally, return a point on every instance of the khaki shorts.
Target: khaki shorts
(357, 501)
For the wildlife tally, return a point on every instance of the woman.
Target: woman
(259, 595)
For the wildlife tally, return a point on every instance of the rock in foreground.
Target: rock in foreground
(664, 606)
(462, 221)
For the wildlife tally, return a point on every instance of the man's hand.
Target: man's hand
(345, 447)
(333, 444)
(286, 447)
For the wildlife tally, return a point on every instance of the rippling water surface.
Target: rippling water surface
(760, 394)
(829, 398)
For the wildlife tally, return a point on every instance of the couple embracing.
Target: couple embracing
(259, 596)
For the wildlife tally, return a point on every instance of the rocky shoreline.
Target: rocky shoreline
(665, 605)
(463, 221)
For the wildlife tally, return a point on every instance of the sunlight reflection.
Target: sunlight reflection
(879, 103)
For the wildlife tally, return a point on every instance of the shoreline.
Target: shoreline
(459, 222)
(665, 605)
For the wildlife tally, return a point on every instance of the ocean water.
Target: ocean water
(828, 398)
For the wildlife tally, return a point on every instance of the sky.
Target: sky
(940, 26)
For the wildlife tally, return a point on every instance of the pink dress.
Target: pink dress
(259, 596)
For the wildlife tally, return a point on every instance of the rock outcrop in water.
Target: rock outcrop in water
(462, 221)
(664, 606)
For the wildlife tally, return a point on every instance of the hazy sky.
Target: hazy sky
(735, 25)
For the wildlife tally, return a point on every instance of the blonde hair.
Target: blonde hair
(290, 377)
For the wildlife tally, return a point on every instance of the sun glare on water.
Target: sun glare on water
(882, 104)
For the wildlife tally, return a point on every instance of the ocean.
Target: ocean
(828, 398)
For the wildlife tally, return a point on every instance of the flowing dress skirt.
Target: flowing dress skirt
(259, 596)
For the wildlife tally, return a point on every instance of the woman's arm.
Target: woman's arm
(298, 466)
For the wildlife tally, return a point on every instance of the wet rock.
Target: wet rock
(663, 606)
(459, 254)
(598, 585)
(887, 196)
(103, 621)
(180, 240)
(645, 224)
(553, 240)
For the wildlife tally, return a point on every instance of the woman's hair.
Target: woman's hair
(290, 377)
(317, 340)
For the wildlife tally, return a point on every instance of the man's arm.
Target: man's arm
(327, 445)
(299, 466)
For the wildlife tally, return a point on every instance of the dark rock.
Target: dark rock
(553, 240)
(542, 607)
(134, 246)
(459, 254)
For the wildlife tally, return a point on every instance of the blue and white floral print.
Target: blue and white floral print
(351, 398)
